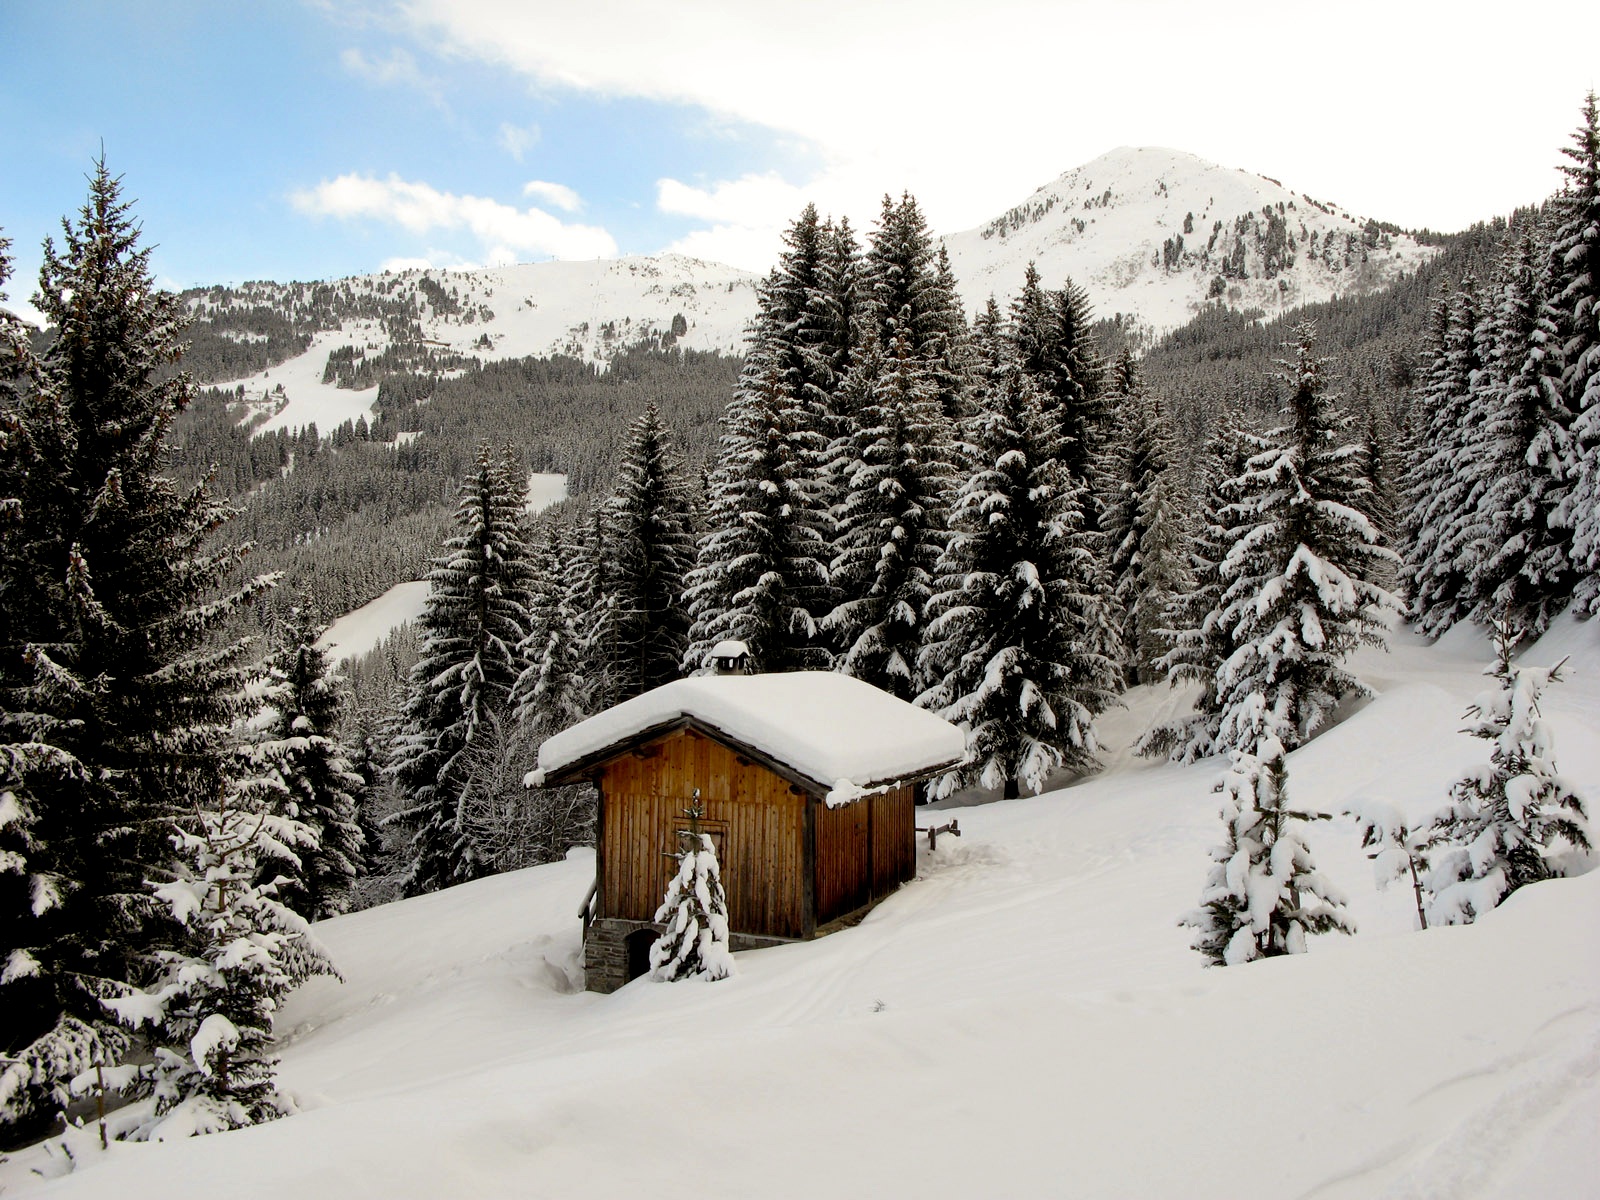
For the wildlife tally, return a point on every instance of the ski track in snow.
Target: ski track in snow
(1024, 1019)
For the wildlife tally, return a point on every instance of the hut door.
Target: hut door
(639, 943)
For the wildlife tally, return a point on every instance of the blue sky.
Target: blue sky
(319, 138)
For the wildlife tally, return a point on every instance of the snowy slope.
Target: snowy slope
(1022, 1020)
(1106, 225)
(585, 309)
(360, 631)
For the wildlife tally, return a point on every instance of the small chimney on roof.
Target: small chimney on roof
(730, 657)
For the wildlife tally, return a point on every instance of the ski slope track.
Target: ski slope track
(1025, 1019)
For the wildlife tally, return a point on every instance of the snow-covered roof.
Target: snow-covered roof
(845, 736)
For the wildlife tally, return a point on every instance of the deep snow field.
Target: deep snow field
(1025, 1019)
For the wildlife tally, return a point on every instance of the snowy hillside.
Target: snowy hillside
(1149, 232)
(1024, 1019)
(1156, 233)
(588, 310)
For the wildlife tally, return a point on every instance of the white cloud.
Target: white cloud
(517, 140)
(749, 200)
(558, 194)
(752, 248)
(973, 108)
(504, 232)
(398, 67)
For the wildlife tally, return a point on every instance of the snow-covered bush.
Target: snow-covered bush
(1507, 817)
(237, 953)
(695, 912)
(1397, 848)
(1263, 894)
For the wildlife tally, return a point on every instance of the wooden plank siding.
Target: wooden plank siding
(758, 815)
(894, 839)
(844, 878)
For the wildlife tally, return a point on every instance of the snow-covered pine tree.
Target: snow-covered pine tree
(298, 736)
(1437, 492)
(116, 698)
(761, 573)
(1263, 894)
(649, 530)
(1054, 344)
(1298, 592)
(1146, 542)
(694, 911)
(236, 953)
(476, 617)
(1021, 644)
(552, 693)
(1573, 315)
(1506, 817)
(1197, 641)
(552, 690)
(892, 526)
(592, 607)
(1520, 560)
(907, 288)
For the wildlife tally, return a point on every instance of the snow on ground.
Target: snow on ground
(305, 398)
(1104, 225)
(358, 632)
(1025, 1019)
(545, 489)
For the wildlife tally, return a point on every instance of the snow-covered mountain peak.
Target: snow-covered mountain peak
(1157, 233)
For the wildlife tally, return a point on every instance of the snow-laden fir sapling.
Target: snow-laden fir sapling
(1395, 847)
(1263, 894)
(237, 951)
(695, 911)
(1507, 818)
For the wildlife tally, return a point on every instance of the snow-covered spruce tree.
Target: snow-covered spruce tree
(1146, 541)
(539, 825)
(1021, 647)
(649, 531)
(1298, 592)
(761, 572)
(907, 288)
(1054, 344)
(298, 736)
(115, 703)
(1505, 818)
(1263, 895)
(694, 911)
(1520, 563)
(592, 607)
(1438, 502)
(476, 617)
(552, 691)
(1573, 316)
(236, 954)
(1197, 641)
(892, 526)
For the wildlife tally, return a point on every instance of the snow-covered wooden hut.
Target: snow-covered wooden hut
(807, 782)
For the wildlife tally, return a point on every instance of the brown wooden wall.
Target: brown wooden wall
(759, 817)
(864, 851)
(894, 839)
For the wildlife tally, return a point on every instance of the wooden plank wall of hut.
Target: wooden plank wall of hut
(894, 838)
(844, 880)
(757, 812)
